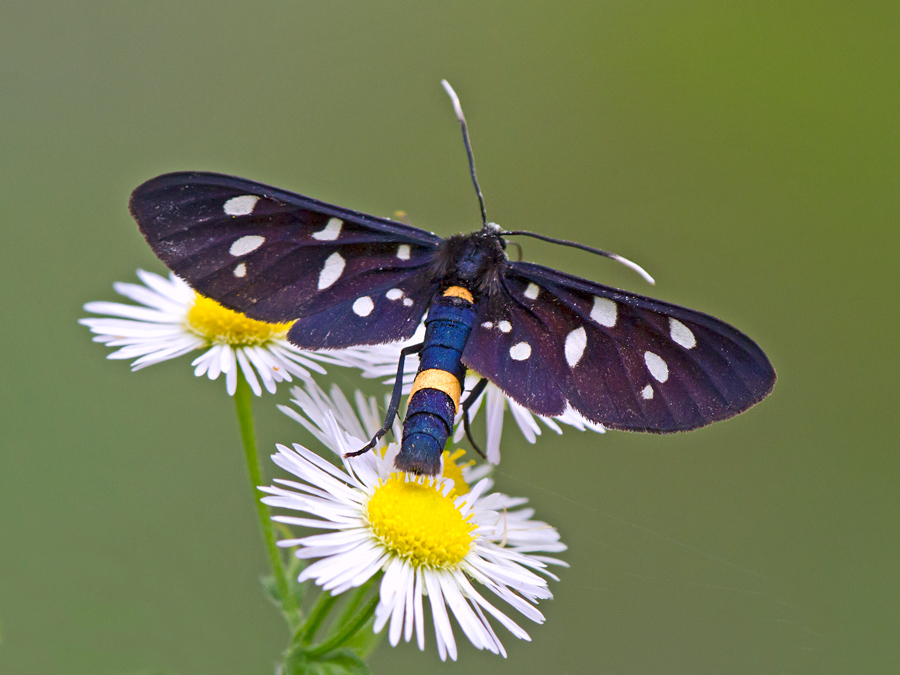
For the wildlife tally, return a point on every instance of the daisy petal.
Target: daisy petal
(351, 538)
(170, 320)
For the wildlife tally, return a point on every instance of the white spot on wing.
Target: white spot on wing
(604, 312)
(331, 270)
(682, 334)
(394, 294)
(363, 306)
(657, 367)
(532, 291)
(240, 270)
(487, 324)
(520, 351)
(403, 252)
(647, 392)
(407, 302)
(246, 245)
(504, 326)
(331, 232)
(240, 206)
(576, 341)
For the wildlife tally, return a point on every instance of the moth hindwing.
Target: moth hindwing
(550, 340)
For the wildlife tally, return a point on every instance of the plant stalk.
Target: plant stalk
(347, 631)
(243, 402)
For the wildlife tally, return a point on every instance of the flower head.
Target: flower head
(380, 361)
(435, 537)
(171, 320)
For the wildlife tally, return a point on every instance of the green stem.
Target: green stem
(317, 615)
(355, 601)
(244, 404)
(349, 630)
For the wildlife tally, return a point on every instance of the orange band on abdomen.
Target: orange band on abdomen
(441, 380)
(459, 292)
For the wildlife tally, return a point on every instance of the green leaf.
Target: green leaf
(341, 662)
(270, 586)
(365, 641)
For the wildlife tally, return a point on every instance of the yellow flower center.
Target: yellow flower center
(220, 325)
(454, 471)
(413, 520)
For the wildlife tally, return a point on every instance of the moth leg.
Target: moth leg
(395, 401)
(470, 400)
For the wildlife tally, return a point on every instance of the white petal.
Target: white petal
(126, 328)
(525, 420)
(231, 380)
(201, 363)
(173, 288)
(419, 610)
(508, 623)
(265, 372)
(399, 602)
(132, 312)
(465, 617)
(442, 629)
(249, 375)
(494, 411)
(410, 609)
(214, 363)
(550, 423)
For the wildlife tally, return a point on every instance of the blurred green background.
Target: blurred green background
(745, 153)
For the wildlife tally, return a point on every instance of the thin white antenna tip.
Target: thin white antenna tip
(457, 107)
(637, 268)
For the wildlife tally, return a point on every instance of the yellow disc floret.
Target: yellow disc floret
(453, 471)
(220, 325)
(413, 520)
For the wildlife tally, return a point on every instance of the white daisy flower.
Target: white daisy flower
(171, 320)
(431, 536)
(380, 361)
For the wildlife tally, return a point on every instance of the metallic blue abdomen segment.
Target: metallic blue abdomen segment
(430, 412)
(448, 326)
(442, 358)
(424, 406)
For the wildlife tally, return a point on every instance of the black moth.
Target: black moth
(548, 339)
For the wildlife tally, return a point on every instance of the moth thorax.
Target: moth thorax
(476, 254)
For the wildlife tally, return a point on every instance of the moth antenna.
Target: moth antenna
(584, 247)
(457, 108)
(518, 250)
